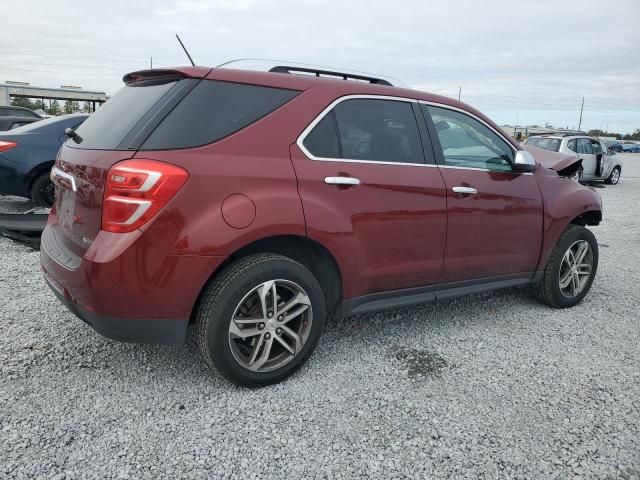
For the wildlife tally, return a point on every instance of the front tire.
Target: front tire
(571, 269)
(614, 176)
(260, 319)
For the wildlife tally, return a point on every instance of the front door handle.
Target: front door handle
(341, 181)
(465, 190)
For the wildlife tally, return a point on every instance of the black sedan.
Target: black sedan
(27, 154)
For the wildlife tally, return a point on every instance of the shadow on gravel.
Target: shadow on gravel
(419, 363)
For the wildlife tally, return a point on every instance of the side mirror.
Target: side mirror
(523, 162)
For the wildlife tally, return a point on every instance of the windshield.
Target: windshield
(552, 144)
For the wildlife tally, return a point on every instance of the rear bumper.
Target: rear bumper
(161, 331)
(124, 287)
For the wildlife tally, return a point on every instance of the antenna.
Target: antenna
(185, 51)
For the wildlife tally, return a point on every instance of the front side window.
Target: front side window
(584, 146)
(597, 148)
(368, 130)
(468, 143)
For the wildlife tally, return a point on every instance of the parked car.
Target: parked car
(13, 111)
(630, 147)
(9, 123)
(258, 205)
(597, 161)
(27, 154)
(614, 146)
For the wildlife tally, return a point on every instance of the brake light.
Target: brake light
(136, 190)
(5, 145)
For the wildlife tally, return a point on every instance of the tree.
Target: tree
(54, 109)
(21, 102)
(71, 106)
(86, 108)
(38, 105)
(596, 133)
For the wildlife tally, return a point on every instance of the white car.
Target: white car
(597, 161)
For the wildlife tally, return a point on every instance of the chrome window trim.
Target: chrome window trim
(475, 117)
(337, 101)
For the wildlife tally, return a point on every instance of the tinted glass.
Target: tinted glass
(572, 144)
(107, 127)
(213, 110)
(322, 141)
(379, 130)
(552, 144)
(466, 142)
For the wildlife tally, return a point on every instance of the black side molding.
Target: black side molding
(375, 302)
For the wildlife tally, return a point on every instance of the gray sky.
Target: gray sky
(529, 62)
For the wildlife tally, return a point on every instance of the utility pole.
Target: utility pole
(151, 62)
(459, 92)
(581, 108)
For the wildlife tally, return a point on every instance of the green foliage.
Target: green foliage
(21, 102)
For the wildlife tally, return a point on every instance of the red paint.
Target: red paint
(401, 227)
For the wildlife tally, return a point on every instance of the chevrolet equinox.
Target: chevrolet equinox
(257, 205)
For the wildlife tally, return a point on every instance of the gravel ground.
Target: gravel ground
(487, 386)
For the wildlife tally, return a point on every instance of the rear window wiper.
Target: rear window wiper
(71, 133)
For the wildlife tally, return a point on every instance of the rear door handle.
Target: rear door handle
(341, 181)
(465, 190)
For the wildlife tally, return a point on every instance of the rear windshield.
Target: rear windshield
(110, 124)
(177, 114)
(552, 144)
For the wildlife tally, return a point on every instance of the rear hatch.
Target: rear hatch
(113, 133)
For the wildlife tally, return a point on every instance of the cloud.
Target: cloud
(507, 57)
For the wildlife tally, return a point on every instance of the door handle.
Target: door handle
(465, 190)
(341, 181)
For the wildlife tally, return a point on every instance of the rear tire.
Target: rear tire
(614, 176)
(237, 319)
(42, 191)
(562, 274)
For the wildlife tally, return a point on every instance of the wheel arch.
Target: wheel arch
(310, 253)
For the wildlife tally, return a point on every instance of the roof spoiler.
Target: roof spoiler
(329, 73)
(159, 76)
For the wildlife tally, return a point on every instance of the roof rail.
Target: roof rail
(329, 73)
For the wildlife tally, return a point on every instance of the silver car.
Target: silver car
(598, 162)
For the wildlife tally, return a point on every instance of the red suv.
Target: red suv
(257, 205)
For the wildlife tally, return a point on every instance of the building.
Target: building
(64, 93)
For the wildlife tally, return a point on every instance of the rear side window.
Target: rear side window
(322, 141)
(110, 124)
(572, 144)
(214, 110)
(368, 130)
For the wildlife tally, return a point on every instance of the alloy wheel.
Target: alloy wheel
(270, 325)
(575, 268)
(615, 176)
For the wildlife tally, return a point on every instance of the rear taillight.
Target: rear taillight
(135, 190)
(5, 145)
